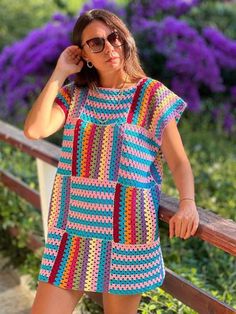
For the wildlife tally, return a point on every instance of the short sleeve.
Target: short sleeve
(64, 97)
(168, 105)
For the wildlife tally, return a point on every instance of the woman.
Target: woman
(118, 124)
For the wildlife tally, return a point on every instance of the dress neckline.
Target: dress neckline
(119, 89)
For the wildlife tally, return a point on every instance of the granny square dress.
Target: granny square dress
(103, 233)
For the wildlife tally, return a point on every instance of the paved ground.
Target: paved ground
(12, 293)
(15, 296)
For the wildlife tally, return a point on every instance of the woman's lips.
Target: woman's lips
(111, 59)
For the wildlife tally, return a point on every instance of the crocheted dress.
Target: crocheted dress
(103, 233)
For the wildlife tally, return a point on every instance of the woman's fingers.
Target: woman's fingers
(178, 227)
(189, 229)
(171, 228)
(73, 54)
(195, 226)
(183, 227)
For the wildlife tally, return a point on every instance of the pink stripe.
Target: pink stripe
(100, 207)
(143, 275)
(133, 216)
(89, 229)
(123, 257)
(132, 286)
(130, 176)
(89, 154)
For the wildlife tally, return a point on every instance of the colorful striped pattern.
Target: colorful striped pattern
(168, 106)
(59, 203)
(88, 264)
(64, 98)
(104, 210)
(103, 218)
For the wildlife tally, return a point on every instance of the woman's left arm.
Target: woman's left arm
(186, 220)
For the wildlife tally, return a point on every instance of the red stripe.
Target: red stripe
(149, 91)
(75, 250)
(154, 90)
(75, 143)
(116, 212)
(63, 107)
(135, 100)
(89, 154)
(133, 218)
(58, 258)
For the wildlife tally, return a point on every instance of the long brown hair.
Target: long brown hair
(89, 76)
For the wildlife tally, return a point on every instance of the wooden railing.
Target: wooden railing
(216, 230)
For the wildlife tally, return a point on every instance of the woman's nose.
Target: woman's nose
(108, 46)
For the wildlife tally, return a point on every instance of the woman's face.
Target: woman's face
(102, 60)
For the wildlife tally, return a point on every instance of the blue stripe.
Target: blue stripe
(136, 158)
(138, 147)
(123, 101)
(173, 108)
(87, 234)
(134, 170)
(90, 187)
(91, 200)
(135, 183)
(139, 135)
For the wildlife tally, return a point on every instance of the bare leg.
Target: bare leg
(50, 299)
(121, 304)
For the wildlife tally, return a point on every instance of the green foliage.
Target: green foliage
(16, 212)
(213, 159)
(220, 14)
(71, 7)
(17, 18)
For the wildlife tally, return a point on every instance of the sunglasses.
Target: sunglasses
(97, 44)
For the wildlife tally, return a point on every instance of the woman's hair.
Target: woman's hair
(89, 76)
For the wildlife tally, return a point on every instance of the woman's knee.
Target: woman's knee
(121, 304)
(50, 299)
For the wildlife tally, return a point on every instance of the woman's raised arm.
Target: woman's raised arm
(45, 117)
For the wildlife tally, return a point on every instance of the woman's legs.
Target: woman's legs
(121, 304)
(50, 299)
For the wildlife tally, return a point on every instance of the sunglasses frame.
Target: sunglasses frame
(103, 41)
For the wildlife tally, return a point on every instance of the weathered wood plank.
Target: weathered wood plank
(20, 188)
(37, 148)
(192, 296)
(214, 229)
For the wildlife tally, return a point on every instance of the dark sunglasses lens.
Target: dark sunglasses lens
(96, 44)
(115, 39)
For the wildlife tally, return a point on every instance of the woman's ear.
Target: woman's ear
(84, 56)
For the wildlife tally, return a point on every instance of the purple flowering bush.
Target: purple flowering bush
(196, 62)
(27, 65)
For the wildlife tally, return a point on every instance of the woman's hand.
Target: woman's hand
(70, 61)
(185, 221)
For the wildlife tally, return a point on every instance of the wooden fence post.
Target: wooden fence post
(46, 175)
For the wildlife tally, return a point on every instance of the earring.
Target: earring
(89, 64)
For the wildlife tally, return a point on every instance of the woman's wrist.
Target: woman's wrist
(59, 75)
(186, 199)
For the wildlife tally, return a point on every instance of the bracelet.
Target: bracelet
(186, 198)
